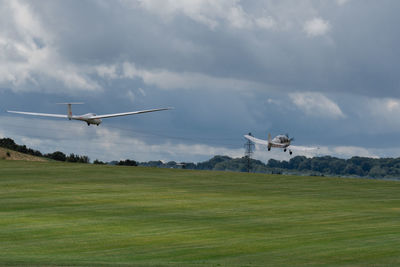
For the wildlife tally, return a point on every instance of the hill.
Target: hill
(97, 215)
(26, 153)
(8, 154)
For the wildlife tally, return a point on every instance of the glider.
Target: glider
(89, 118)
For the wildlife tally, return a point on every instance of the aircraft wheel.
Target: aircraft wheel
(284, 150)
(290, 152)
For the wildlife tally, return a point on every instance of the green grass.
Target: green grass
(86, 215)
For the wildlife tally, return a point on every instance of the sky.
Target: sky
(325, 72)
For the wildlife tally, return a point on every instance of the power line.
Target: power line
(249, 146)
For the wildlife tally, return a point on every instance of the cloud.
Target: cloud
(393, 105)
(384, 112)
(316, 27)
(274, 101)
(383, 107)
(342, 2)
(106, 71)
(217, 62)
(105, 142)
(131, 96)
(266, 22)
(29, 56)
(347, 151)
(336, 151)
(316, 104)
(210, 13)
(142, 92)
(165, 79)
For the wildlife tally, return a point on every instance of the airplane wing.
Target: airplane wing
(256, 140)
(127, 113)
(39, 114)
(302, 148)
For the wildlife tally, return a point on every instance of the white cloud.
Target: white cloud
(342, 2)
(316, 104)
(142, 91)
(393, 105)
(266, 22)
(104, 142)
(107, 71)
(28, 54)
(274, 101)
(238, 18)
(165, 79)
(207, 12)
(108, 142)
(383, 107)
(262, 154)
(316, 27)
(131, 96)
(348, 151)
(383, 112)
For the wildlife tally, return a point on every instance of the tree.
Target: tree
(376, 172)
(127, 162)
(58, 155)
(353, 169)
(210, 164)
(273, 163)
(295, 162)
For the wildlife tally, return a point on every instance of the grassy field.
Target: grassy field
(86, 215)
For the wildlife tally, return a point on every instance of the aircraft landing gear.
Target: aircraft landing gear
(88, 124)
(290, 152)
(269, 149)
(284, 150)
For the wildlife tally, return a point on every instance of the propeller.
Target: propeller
(290, 139)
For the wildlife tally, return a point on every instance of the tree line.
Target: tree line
(327, 165)
(9, 143)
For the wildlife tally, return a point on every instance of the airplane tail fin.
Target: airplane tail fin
(269, 138)
(69, 108)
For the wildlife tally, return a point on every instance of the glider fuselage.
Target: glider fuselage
(86, 118)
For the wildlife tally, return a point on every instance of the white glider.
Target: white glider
(280, 141)
(89, 118)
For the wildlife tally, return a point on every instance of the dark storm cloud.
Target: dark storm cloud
(358, 53)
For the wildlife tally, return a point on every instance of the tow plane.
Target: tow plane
(279, 141)
(89, 118)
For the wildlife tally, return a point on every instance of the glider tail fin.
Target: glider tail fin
(69, 108)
